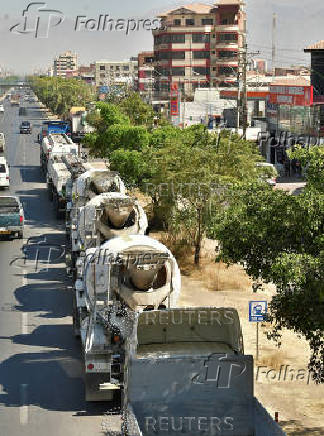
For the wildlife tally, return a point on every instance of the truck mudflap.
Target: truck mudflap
(195, 396)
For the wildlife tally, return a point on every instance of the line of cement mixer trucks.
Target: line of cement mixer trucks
(174, 370)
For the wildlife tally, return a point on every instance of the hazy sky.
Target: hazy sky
(299, 24)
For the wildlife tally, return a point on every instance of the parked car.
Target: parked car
(1, 108)
(25, 127)
(267, 173)
(11, 217)
(4, 173)
(2, 142)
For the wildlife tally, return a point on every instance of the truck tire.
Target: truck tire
(21, 235)
(50, 192)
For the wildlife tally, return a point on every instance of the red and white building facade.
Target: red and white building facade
(199, 45)
(146, 74)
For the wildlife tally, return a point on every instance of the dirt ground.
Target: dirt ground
(282, 381)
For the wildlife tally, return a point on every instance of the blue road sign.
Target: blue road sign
(258, 311)
(103, 89)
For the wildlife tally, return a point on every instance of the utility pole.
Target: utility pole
(274, 46)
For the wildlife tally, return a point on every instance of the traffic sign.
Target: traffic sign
(258, 311)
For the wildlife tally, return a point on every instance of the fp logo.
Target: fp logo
(221, 370)
(37, 19)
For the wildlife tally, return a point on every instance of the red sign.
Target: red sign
(174, 101)
(291, 95)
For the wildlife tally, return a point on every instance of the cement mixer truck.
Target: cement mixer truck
(122, 277)
(53, 145)
(57, 177)
(88, 185)
(109, 215)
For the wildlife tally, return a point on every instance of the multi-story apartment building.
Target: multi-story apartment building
(115, 73)
(66, 65)
(146, 74)
(199, 45)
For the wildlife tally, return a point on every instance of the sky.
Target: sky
(299, 25)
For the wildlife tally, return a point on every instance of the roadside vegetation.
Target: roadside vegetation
(60, 94)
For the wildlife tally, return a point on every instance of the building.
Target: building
(292, 71)
(199, 45)
(146, 74)
(87, 73)
(116, 73)
(260, 65)
(317, 67)
(66, 65)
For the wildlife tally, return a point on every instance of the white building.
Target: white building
(110, 73)
(66, 65)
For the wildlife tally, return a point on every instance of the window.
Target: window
(111, 67)
(201, 54)
(207, 21)
(178, 55)
(177, 22)
(178, 38)
(227, 54)
(190, 22)
(117, 68)
(126, 68)
(202, 71)
(200, 37)
(228, 37)
(2, 168)
(228, 71)
(117, 75)
(102, 75)
(178, 71)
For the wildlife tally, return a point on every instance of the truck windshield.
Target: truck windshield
(2, 168)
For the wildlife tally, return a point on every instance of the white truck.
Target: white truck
(57, 178)
(109, 215)
(2, 143)
(55, 145)
(186, 373)
(94, 181)
(122, 277)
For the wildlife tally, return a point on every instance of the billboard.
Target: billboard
(174, 100)
(291, 95)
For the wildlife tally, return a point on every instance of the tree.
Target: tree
(279, 238)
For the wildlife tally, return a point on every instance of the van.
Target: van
(4, 173)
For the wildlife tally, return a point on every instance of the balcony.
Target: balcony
(227, 44)
(227, 28)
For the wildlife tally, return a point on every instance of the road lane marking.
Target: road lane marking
(23, 409)
(25, 279)
(24, 323)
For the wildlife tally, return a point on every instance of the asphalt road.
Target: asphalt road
(41, 387)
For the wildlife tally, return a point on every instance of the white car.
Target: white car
(1, 108)
(4, 173)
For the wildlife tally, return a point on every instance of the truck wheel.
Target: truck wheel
(50, 192)
(21, 235)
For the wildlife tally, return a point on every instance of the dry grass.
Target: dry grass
(273, 360)
(219, 277)
(215, 276)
